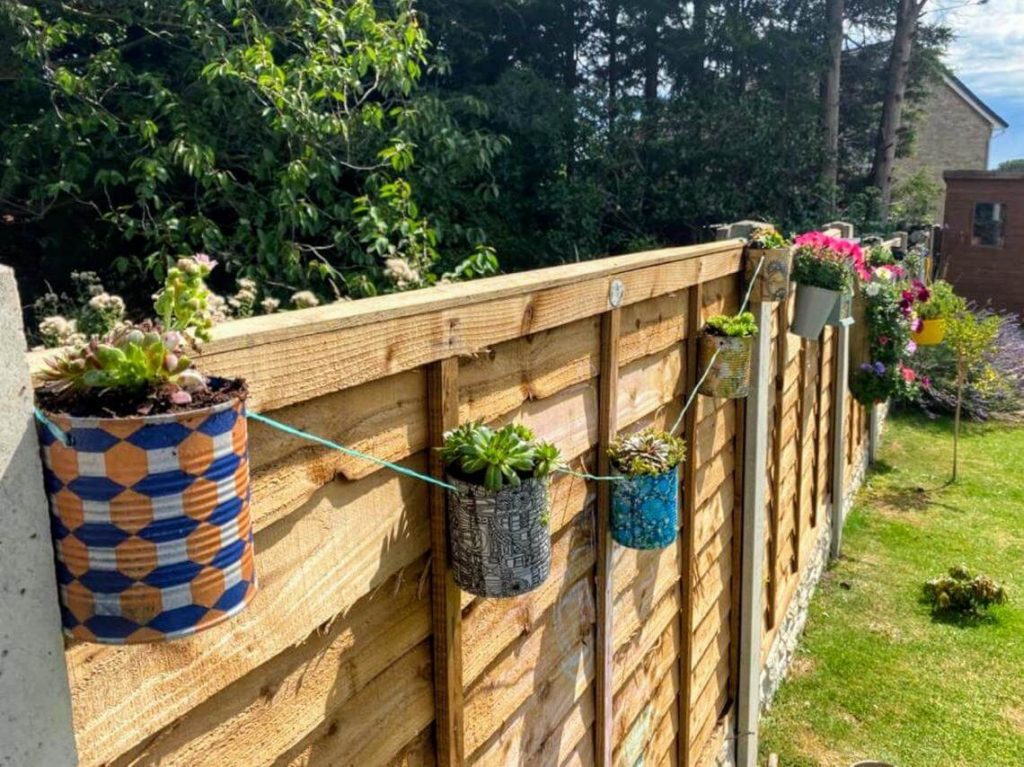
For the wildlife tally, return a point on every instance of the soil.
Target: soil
(120, 404)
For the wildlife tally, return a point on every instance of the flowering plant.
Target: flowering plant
(890, 317)
(827, 262)
(941, 303)
(146, 358)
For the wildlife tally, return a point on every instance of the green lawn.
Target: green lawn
(877, 677)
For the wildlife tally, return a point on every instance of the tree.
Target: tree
(907, 16)
(830, 96)
(281, 137)
(1012, 165)
(971, 338)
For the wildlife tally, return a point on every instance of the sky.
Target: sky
(988, 55)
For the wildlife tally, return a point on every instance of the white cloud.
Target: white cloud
(988, 52)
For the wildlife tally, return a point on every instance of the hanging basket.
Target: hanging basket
(932, 333)
(645, 510)
(500, 541)
(151, 522)
(772, 283)
(813, 307)
(729, 375)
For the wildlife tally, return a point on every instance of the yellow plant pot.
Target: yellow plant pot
(931, 334)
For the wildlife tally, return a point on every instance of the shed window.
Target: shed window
(989, 221)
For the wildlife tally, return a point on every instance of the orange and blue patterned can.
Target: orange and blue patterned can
(151, 522)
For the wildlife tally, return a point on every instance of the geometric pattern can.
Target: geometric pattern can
(151, 522)
(773, 280)
(645, 510)
(729, 375)
(500, 541)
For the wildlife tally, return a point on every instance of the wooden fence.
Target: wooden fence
(359, 650)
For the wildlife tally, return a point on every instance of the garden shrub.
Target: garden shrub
(960, 592)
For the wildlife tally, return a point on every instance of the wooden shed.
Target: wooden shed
(983, 238)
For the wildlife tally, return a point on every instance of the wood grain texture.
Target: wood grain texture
(443, 415)
(604, 587)
(357, 651)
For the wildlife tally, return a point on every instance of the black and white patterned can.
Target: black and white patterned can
(500, 541)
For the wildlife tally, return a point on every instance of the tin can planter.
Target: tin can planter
(151, 522)
(645, 510)
(932, 333)
(729, 374)
(772, 283)
(813, 307)
(500, 541)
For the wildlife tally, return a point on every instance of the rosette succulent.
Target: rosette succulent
(497, 458)
(150, 356)
(648, 452)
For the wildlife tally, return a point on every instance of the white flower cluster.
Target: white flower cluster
(402, 273)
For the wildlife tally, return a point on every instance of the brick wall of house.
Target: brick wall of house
(949, 135)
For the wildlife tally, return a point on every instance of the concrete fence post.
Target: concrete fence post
(845, 229)
(840, 398)
(35, 702)
(755, 462)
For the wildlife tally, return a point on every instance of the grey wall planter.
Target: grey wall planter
(813, 307)
(842, 310)
(500, 541)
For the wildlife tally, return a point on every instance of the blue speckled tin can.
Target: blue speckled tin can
(645, 510)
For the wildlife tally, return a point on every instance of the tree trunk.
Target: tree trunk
(697, 46)
(960, 375)
(613, 66)
(830, 99)
(892, 109)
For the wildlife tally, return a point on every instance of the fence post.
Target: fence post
(839, 400)
(755, 461)
(608, 408)
(446, 598)
(35, 701)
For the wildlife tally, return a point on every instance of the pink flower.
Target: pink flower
(908, 375)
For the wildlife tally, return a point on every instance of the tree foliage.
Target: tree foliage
(279, 136)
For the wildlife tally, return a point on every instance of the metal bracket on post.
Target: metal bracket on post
(755, 460)
(616, 293)
(839, 400)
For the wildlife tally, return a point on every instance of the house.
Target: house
(952, 131)
(983, 237)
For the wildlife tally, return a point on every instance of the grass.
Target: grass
(877, 675)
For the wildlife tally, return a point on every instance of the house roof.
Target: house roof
(979, 106)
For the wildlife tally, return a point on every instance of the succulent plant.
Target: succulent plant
(498, 458)
(738, 326)
(768, 237)
(647, 452)
(149, 356)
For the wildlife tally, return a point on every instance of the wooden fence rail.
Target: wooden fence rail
(359, 648)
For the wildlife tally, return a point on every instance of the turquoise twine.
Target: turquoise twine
(711, 362)
(55, 430)
(584, 475)
(349, 451)
(387, 464)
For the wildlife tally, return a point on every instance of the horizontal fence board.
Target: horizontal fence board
(332, 663)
